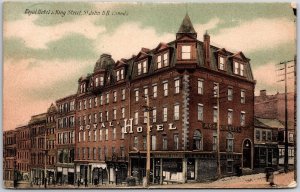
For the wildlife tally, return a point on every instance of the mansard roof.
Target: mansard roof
(103, 62)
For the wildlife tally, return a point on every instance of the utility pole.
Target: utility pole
(286, 142)
(45, 171)
(218, 134)
(148, 142)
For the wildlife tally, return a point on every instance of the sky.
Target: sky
(45, 54)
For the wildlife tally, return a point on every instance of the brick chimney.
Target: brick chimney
(206, 49)
(263, 93)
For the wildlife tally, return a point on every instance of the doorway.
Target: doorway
(247, 159)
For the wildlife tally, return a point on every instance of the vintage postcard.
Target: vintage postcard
(149, 95)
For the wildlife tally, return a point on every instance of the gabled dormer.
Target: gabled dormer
(239, 61)
(162, 56)
(222, 57)
(142, 62)
(120, 69)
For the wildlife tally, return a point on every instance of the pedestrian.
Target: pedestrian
(78, 183)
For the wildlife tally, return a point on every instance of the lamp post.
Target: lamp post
(116, 175)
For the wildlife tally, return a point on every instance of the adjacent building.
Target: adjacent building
(65, 140)
(9, 155)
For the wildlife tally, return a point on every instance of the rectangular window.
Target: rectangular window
(95, 118)
(89, 135)
(145, 143)
(165, 143)
(114, 114)
(236, 67)
(166, 59)
(154, 91)
(101, 99)
(101, 81)
(200, 112)
(106, 134)
(153, 142)
(94, 152)
(100, 135)
(177, 86)
(95, 101)
(123, 112)
(243, 96)
(139, 68)
(185, 52)
(83, 153)
(176, 112)
(83, 136)
(107, 98)
(90, 103)
(123, 94)
(145, 117)
(95, 135)
(264, 135)
(100, 117)
(154, 115)
(176, 142)
(159, 59)
(229, 166)
(257, 135)
(243, 118)
(84, 104)
(122, 74)
(216, 89)
(269, 135)
(146, 92)
(136, 118)
(200, 86)
(122, 132)
(215, 137)
(135, 142)
(221, 63)
(79, 137)
(136, 93)
(242, 69)
(165, 114)
(115, 96)
(145, 70)
(215, 115)
(166, 89)
(88, 153)
(89, 119)
(106, 115)
(118, 75)
(291, 137)
(230, 115)
(114, 133)
(230, 94)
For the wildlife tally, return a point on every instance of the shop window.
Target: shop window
(257, 135)
(229, 166)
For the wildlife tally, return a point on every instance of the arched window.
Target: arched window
(197, 140)
(230, 142)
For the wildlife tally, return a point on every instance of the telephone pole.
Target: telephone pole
(148, 109)
(286, 142)
(218, 135)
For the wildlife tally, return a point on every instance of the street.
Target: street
(281, 180)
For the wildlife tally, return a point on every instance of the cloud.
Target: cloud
(256, 34)
(129, 38)
(211, 24)
(268, 76)
(37, 36)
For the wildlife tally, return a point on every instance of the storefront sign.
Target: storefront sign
(222, 127)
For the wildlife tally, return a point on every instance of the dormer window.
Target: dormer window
(82, 88)
(97, 82)
(186, 52)
(162, 60)
(221, 63)
(120, 74)
(238, 68)
(101, 81)
(142, 67)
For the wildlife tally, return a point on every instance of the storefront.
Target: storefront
(266, 156)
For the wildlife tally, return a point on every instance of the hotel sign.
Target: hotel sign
(128, 126)
(229, 128)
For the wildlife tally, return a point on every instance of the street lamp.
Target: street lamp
(116, 175)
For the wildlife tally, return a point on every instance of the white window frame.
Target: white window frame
(221, 63)
(136, 118)
(186, 51)
(177, 85)
(165, 114)
(154, 115)
(230, 117)
(136, 94)
(200, 112)
(243, 118)
(154, 91)
(176, 112)
(165, 86)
